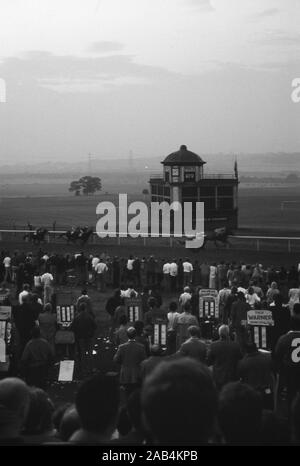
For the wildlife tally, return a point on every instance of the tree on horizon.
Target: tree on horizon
(86, 185)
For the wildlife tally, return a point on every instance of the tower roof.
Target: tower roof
(183, 157)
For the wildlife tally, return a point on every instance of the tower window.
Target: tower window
(175, 171)
(189, 175)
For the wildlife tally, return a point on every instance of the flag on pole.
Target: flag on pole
(236, 169)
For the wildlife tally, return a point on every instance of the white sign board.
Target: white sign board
(2, 350)
(260, 317)
(66, 370)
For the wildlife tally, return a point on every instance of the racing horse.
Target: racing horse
(36, 236)
(79, 234)
(217, 235)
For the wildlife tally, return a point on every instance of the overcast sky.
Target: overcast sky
(113, 76)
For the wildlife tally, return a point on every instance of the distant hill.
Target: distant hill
(248, 164)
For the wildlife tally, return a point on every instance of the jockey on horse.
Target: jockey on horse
(218, 234)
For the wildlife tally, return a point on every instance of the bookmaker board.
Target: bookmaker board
(5, 337)
(134, 309)
(260, 323)
(208, 304)
(160, 333)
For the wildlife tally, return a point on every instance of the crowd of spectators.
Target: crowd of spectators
(196, 390)
(168, 274)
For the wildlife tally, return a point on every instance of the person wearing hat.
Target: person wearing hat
(129, 356)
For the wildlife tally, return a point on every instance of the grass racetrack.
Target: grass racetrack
(260, 214)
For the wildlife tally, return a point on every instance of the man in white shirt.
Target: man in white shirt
(101, 269)
(166, 274)
(173, 275)
(129, 293)
(185, 297)
(187, 272)
(7, 268)
(172, 315)
(294, 297)
(24, 292)
(223, 296)
(129, 268)
(252, 298)
(130, 263)
(44, 261)
(95, 261)
(182, 322)
(242, 289)
(213, 276)
(47, 281)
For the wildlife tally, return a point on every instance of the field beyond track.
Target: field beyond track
(260, 214)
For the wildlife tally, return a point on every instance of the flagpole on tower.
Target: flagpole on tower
(236, 168)
(89, 164)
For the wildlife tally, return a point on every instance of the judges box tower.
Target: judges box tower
(183, 179)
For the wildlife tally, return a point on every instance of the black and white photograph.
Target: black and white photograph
(149, 226)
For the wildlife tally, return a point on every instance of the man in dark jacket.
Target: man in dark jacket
(26, 317)
(194, 347)
(154, 312)
(84, 327)
(84, 298)
(129, 356)
(223, 356)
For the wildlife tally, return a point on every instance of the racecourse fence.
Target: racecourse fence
(290, 204)
(237, 242)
